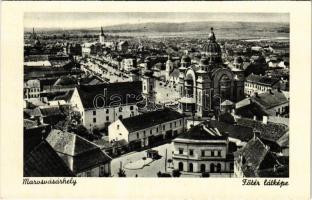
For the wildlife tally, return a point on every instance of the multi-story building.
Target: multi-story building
(32, 89)
(100, 105)
(141, 130)
(203, 149)
(260, 84)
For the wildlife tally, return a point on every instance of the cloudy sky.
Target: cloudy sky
(88, 20)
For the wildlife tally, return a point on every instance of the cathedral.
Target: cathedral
(204, 86)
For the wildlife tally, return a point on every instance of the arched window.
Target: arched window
(218, 167)
(202, 167)
(212, 166)
(191, 167)
(180, 166)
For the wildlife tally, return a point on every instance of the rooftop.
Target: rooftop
(78, 153)
(270, 99)
(123, 92)
(43, 161)
(150, 119)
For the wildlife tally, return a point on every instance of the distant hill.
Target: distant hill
(222, 29)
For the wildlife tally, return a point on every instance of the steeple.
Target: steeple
(102, 32)
(211, 36)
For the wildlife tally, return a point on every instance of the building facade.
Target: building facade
(100, 105)
(145, 129)
(204, 86)
(203, 150)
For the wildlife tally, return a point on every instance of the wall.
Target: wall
(117, 131)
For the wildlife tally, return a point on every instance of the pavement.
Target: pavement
(139, 164)
(149, 170)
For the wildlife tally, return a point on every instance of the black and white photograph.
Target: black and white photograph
(163, 94)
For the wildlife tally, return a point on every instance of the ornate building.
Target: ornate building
(204, 86)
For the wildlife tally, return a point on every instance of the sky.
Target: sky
(90, 20)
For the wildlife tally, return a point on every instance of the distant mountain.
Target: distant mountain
(234, 30)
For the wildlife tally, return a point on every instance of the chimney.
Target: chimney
(256, 134)
(265, 119)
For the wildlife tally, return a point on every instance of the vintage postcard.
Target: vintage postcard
(103, 99)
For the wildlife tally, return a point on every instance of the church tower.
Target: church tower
(148, 83)
(102, 36)
(169, 68)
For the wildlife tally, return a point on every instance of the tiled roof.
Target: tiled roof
(127, 92)
(251, 110)
(43, 161)
(262, 80)
(203, 132)
(269, 131)
(270, 99)
(150, 119)
(78, 153)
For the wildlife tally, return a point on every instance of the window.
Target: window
(212, 153)
(170, 125)
(107, 111)
(107, 118)
(175, 124)
(144, 133)
(151, 131)
(118, 127)
(131, 107)
(94, 120)
(180, 151)
(164, 127)
(138, 135)
(203, 153)
(191, 152)
(180, 122)
(94, 112)
(202, 167)
(157, 130)
(219, 153)
(231, 166)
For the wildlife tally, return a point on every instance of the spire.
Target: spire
(211, 35)
(102, 32)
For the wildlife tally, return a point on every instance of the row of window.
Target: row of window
(213, 153)
(163, 128)
(213, 167)
(107, 110)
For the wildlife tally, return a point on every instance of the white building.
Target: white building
(32, 89)
(100, 105)
(128, 64)
(141, 130)
(260, 84)
(203, 149)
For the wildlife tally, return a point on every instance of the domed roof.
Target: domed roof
(186, 59)
(212, 47)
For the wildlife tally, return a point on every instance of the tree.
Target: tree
(121, 173)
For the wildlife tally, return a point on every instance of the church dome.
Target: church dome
(212, 47)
